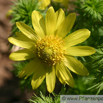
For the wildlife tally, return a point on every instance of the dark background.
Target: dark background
(9, 84)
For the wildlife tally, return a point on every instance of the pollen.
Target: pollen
(50, 49)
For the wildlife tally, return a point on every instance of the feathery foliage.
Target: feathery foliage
(97, 72)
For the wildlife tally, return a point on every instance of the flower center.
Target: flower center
(50, 49)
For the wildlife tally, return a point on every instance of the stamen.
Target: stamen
(50, 49)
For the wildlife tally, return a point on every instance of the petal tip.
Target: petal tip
(94, 50)
(71, 84)
(51, 8)
(33, 86)
(73, 14)
(50, 91)
(10, 57)
(9, 39)
(17, 23)
(34, 12)
(88, 31)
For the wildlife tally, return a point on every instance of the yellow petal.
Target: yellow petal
(19, 42)
(38, 76)
(76, 37)
(38, 24)
(50, 78)
(80, 51)
(23, 54)
(64, 75)
(20, 35)
(26, 30)
(50, 21)
(44, 4)
(60, 77)
(30, 68)
(60, 17)
(66, 25)
(76, 66)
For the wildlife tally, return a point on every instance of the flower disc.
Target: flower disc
(50, 49)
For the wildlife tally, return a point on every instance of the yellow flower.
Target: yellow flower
(49, 49)
(44, 4)
(9, 13)
(64, 2)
